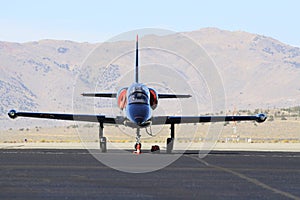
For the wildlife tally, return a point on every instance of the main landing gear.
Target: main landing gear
(170, 141)
(102, 139)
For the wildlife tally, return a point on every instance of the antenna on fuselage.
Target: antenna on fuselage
(137, 60)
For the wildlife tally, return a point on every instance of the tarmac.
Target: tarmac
(76, 174)
(269, 147)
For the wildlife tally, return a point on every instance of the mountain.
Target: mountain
(257, 71)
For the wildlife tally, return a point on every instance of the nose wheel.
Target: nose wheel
(138, 144)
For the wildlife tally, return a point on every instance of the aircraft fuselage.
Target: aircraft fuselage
(137, 104)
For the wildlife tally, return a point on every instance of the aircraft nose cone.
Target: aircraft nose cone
(139, 120)
(138, 113)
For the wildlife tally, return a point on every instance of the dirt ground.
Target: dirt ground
(277, 131)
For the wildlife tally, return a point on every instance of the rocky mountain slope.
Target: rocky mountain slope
(257, 71)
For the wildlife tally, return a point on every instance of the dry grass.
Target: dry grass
(277, 131)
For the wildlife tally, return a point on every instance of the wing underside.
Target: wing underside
(205, 119)
(71, 117)
(158, 120)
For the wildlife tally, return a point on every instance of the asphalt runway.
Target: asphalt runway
(75, 174)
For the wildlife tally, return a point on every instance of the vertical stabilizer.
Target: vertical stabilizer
(137, 60)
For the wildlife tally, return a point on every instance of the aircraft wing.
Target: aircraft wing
(107, 95)
(202, 119)
(72, 117)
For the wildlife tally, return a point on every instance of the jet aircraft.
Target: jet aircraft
(138, 101)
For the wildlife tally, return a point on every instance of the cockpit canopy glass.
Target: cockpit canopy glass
(138, 93)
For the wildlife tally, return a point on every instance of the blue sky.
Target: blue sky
(97, 21)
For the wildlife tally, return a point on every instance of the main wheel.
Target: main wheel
(103, 147)
(170, 143)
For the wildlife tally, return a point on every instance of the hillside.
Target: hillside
(257, 71)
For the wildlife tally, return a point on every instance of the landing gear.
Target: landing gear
(102, 139)
(103, 147)
(170, 141)
(138, 144)
(137, 147)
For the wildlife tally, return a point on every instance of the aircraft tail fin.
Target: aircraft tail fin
(137, 60)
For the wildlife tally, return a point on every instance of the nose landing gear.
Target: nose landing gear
(138, 144)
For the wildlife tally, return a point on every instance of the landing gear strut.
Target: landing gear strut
(138, 144)
(170, 141)
(102, 139)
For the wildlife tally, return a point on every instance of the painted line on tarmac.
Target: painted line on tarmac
(12, 146)
(251, 180)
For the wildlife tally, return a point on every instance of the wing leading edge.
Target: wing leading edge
(72, 117)
(204, 119)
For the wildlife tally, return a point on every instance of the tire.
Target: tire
(137, 144)
(170, 142)
(103, 147)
